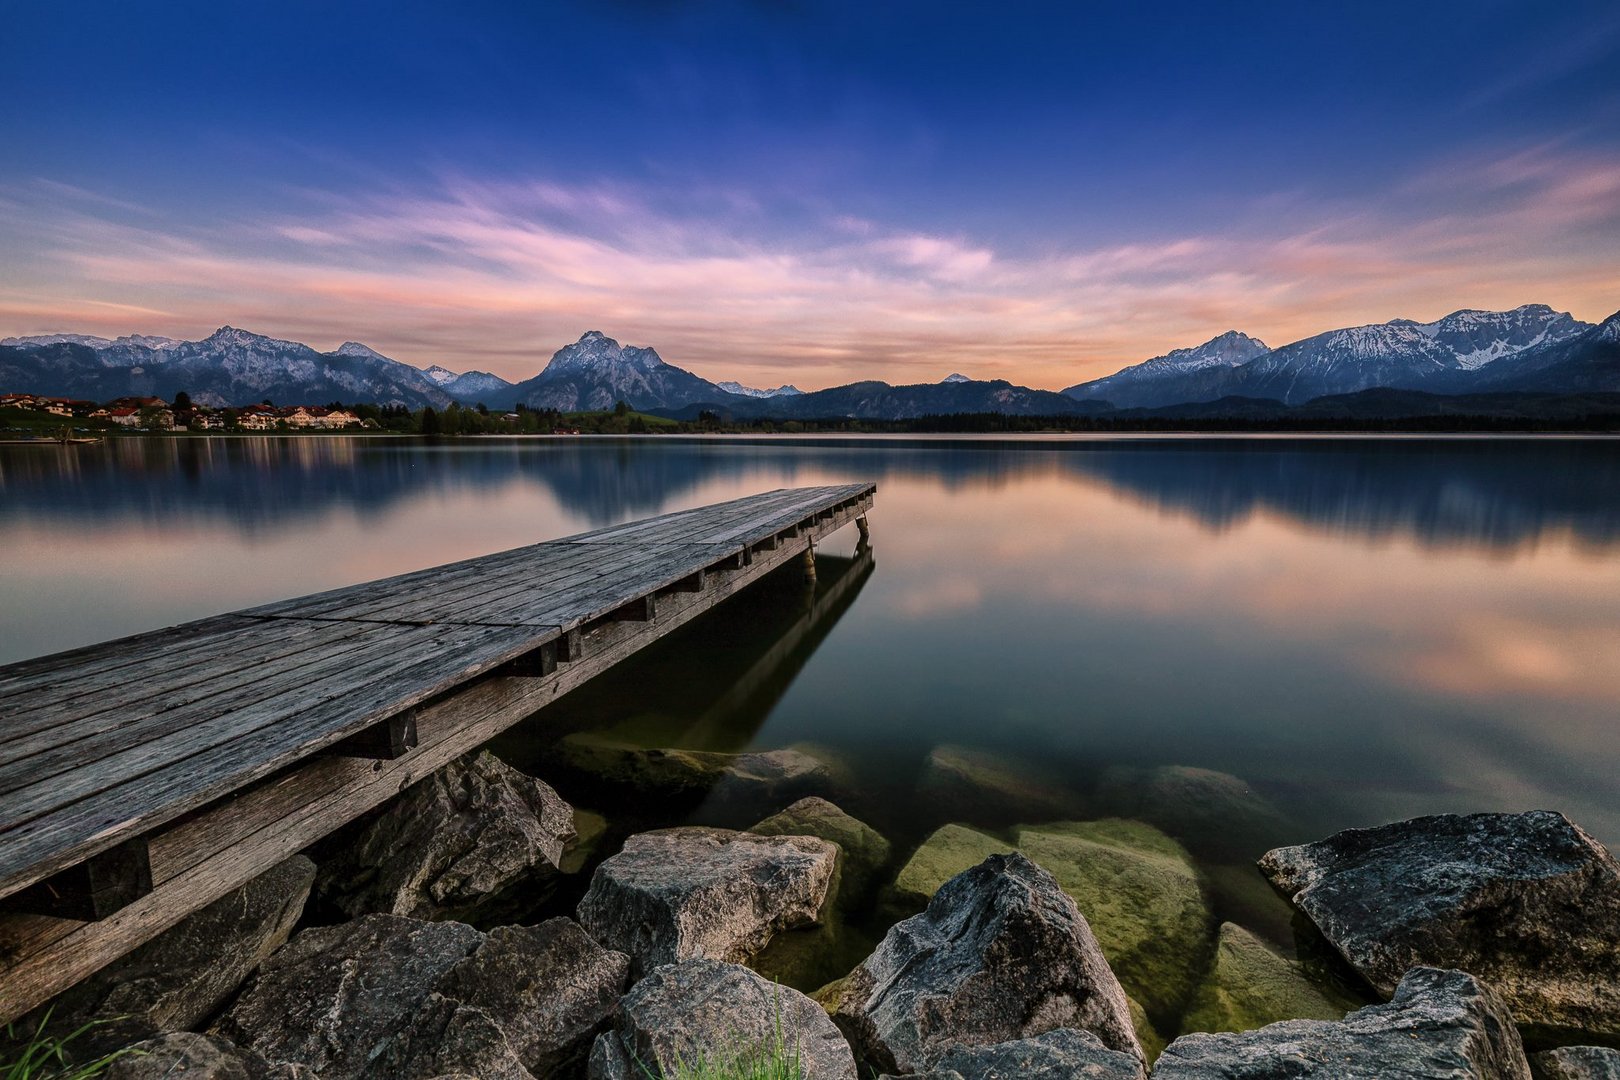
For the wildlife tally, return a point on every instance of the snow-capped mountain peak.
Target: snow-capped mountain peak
(955, 377)
(440, 376)
(737, 388)
(354, 348)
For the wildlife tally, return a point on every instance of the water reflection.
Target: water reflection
(1360, 629)
(1485, 494)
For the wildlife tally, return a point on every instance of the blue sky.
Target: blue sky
(803, 192)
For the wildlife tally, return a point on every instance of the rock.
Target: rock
(1249, 986)
(476, 841)
(949, 851)
(1063, 1054)
(334, 996)
(1577, 1063)
(688, 893)
(720, 1014)
(1140, 894)
(387, 995)
(196, 1057)
(991, 789)
(181, 977)
(533, 996)
(1001, 953)
(813, 956)
(1527, 902)
(727, 784)
(1214, 813)
(1439, 1024)
(1152, 1042)
(862, 849)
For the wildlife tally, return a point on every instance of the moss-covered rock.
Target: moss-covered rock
(862, 850)
(989, 788)
(1250, 986)
(1153, 1043)
(949, 851)
(1138, 890)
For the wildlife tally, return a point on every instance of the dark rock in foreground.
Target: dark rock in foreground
(1000, 954)
(1064, 1054)
(1527, 902)
(1577, 1063)
(182, 976)
(690, 893)
(397, 997)
(1439, 1024)
(475, 841)
(197, 1057)
(708, 1011)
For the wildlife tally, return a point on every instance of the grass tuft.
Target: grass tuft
(772, 1060)
(44, 1057)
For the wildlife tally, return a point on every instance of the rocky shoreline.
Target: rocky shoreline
(409, 947)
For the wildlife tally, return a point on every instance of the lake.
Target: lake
(1358, 629)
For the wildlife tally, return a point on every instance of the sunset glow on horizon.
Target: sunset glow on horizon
(801, 193)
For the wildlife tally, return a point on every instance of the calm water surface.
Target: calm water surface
(1360, 629)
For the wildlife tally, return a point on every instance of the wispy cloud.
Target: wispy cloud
(498, 275)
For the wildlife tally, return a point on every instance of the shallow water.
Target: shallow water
(1360, 629)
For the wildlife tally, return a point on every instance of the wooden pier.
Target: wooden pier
(142, 779)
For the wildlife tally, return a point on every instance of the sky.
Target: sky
(799, 191)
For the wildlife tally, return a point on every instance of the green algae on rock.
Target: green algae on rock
(1250, 986)
(949, 851)
(1140, 893)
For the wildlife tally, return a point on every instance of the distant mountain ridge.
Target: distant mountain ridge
(1531, 349)
(1444, 356)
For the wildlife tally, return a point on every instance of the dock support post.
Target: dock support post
(93, 889)
(865, 529)
(808, 562)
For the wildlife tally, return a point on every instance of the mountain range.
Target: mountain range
(1530, 349)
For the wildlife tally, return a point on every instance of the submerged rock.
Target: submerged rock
(1439, 1024)
(1250, 986)
(706, 1011)
(949, 851)
(862, 849)
(986, 787)
(181, 977)
(1215, 813)
(688, 893)
(590, 829)
(729, 784)
(1577, 1063)
(475, 841)
(1001, 953)
(1527, 902)
(387, 995)
(196, 1057)
(1140, 894)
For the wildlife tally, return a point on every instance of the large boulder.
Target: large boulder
(1439, 1024)
(1140, 894)
(862, 850)
(181, 977)
(1001, 953)
(950, 850)
(476, 841)
(186, 1054)
(387, 995)
(1528, 902)
(705, 1012)
(689, 893)
(989, 788)
(1577, 1063)
(1249, 986)
(1064, 1054)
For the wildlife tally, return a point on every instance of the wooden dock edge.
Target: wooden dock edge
(200, 858)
